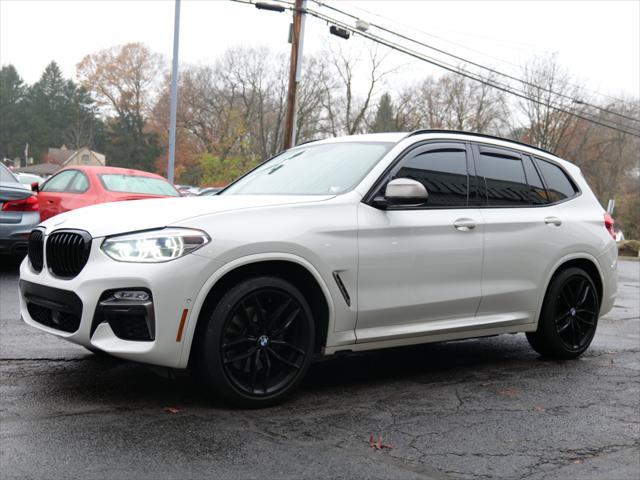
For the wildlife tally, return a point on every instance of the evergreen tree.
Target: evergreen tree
(59, 112)
(12, 115)
(46, 111)
(385, 118)
(129, 145)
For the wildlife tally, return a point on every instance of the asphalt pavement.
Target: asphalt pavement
(484, 408)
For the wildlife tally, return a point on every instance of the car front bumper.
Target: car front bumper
(173, 287)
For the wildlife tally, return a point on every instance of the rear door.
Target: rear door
(419, 267)
(524, 232)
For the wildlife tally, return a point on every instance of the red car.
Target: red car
(81, 186)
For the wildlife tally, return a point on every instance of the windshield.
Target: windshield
(115, 182)
(326, 169)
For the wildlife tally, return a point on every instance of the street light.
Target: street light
(174, 94)
(339, 32)
(269, 6)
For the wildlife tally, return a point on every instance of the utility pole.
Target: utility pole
(174, 94)
(295, 69)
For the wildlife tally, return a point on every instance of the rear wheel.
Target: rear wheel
(569, 316)
(257, 343)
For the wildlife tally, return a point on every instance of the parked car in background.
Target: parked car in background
(29, 178)
(209, 191)
(345, 244)
(188, 190)
(18, 213)
(81, 186)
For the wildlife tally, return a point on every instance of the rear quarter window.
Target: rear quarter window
(115, 182)
(559, 185)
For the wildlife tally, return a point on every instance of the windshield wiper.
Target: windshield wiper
(280, 165)
(275, 169)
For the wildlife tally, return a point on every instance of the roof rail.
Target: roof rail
(475, 134)
(308, 141)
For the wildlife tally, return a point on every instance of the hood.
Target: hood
(122, 217)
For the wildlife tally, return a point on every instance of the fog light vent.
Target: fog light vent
(139, 295)
(129, 313)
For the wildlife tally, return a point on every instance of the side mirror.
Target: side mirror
(35, 187)
(402, 191)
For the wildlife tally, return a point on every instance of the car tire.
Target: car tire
(257, 343)
(569, 316)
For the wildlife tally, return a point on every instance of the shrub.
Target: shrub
(629, 248)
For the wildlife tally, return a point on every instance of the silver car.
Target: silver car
(18, 213)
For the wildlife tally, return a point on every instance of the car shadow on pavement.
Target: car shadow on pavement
(109, 380)
(10, 263)
(88, 377)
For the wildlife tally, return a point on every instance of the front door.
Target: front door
(65, 191)
(420, 266)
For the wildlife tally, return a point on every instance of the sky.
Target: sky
(597, 41)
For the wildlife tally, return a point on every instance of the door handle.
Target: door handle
(464, 224)
(553, 221)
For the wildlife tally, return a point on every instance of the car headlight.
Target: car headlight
(154, 246)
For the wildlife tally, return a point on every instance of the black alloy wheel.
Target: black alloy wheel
(576, 312)
(569, 316)
(258, 343)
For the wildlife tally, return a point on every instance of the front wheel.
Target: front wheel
(569, 316)
(257, 343)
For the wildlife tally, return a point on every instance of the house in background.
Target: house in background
(66, 158)
(57, 158)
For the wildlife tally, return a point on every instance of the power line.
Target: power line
(492, 70)
(420, 56)
(471, 76)
(465, 47)
(502, 86)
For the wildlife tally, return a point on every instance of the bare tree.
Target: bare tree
(452, 102)
(311, 99)
(546, 124)
(346, 110)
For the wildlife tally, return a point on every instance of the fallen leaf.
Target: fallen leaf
(578, 461)
(378, 444)
(172, 410)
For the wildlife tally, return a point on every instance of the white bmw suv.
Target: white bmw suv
(345, 244)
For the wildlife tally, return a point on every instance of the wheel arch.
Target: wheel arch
(290, 267)
(584, 261)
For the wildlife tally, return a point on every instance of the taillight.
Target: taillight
(608, 224)
(29, 204)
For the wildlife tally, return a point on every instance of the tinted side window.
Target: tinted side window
(559, 186)
(537, 192)
(506, 183)
(59, 182)
(443, 172)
